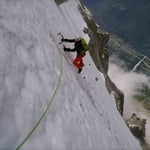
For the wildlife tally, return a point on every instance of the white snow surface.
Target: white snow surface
(83, 116)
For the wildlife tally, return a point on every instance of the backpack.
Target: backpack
(82, 46)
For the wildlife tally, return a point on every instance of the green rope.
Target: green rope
(46, 110)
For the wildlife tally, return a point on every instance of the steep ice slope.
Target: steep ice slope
(83, 115)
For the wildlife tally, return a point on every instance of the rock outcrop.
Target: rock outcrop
(58, 2)
(137, 126)
(99, 53)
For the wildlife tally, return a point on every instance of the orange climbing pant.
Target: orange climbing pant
(78, 62)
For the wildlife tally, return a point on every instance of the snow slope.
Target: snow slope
(82, 116)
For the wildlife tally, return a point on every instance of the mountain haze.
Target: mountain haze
(129, 64)
(127, 19)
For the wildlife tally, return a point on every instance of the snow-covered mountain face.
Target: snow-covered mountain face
(82, 114)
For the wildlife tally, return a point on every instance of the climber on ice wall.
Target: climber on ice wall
(80, 46)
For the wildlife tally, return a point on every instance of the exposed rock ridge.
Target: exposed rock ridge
(137, 126)
(58, 2)
(99, 53)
